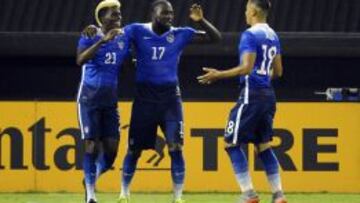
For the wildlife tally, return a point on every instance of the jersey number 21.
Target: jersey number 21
(110, 58)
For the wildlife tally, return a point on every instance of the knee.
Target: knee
(174, 147)
(134, 153)
(91, 147)
(262, 147)
(229, 147)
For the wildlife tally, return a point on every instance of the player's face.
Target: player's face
(112, 18)
(164, 15)
(249, 12)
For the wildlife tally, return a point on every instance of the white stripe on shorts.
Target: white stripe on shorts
(78, 101)
(237, 123)
(80, 121)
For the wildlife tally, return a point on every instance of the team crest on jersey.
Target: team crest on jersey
(121, 44)
(170, 38)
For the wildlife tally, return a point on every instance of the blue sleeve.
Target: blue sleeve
(85, 42)
(188, 34)
(248, 42)
(130, 31)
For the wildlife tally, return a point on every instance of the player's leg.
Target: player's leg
(89, 123)
(109, 140)
(129, 166)
(236, 132)
(89, 165)
(172, 126)
(142, 135)
(107, 155)
(265, 153)
(271, 165)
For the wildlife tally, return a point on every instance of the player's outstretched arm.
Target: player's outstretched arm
(211, 74)
(211, 34)
(277, 67)
(83, 55)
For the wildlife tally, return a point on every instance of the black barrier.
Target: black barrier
(306, 44)
(228, 15)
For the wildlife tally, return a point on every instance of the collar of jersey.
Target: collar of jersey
(149, 27)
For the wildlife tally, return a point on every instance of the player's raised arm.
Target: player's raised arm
(211, 74)
(85, 54)
(210, 33)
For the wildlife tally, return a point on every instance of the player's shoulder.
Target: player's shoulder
(145, 26)
(183, 29)
(85, 40)
(262, 30)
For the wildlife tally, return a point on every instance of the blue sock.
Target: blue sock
(103, 163)
(269, 161)
(89, 168)
(177, 167)
(241, 169)
(177, 172)
(129, 167)
(238, 159)
(271, 165)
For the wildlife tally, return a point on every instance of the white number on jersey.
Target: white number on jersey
(268, 57)
(110, 58)
(230, 128)
(158, 53)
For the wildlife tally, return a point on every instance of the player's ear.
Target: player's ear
(254, 12)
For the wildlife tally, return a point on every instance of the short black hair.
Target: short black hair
(159, 2)
(264, 5)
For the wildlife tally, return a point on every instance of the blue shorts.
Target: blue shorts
(250, 123)
(147, 116)
(98, 122)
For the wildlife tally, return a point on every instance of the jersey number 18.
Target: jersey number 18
(268, 58)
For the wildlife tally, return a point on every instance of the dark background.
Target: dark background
(320, 44)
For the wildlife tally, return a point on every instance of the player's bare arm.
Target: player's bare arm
(211, 33)
(84, 55)
(277, 67)
(211, 74)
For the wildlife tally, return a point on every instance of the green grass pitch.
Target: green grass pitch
(166, 198)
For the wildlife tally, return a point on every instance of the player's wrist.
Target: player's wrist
(102, 41)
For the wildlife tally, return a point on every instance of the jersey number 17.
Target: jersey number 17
(268, 58)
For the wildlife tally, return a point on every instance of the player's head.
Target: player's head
(162, 13)
(257, 10)
(108, 14)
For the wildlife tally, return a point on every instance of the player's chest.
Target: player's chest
(120, 46)
(150, 42)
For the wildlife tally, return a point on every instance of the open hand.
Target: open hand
(90, 31)
(196, 13)
(211, 75)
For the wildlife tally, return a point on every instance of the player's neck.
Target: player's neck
(159, 29)
(258, 21)
(105, 30)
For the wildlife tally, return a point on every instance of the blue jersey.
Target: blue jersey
(100, 74)
(158, 56)
(263, 41)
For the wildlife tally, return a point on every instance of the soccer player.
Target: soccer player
(101, 58)
(251, 120)
(158, 46)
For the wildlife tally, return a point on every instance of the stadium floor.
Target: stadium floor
(166, 198)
